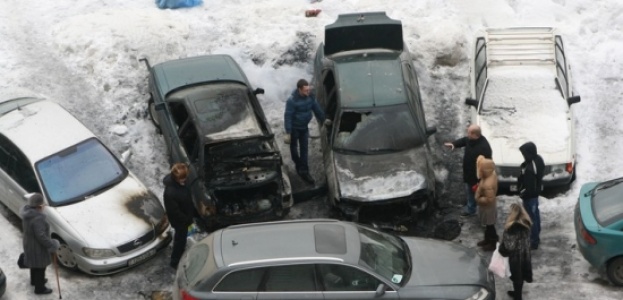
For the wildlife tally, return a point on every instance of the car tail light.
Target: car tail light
(569, 168)
(585, 235)
(186, 296)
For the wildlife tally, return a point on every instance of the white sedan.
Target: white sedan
(105, 219)
(521, 91)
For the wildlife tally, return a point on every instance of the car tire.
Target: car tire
(66, 256)
(151, 107)
(614, 271)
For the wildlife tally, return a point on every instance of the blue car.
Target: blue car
(599, 226)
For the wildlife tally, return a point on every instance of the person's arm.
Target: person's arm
(505, 252)
(39, 230)
(318, 111)
(174, 212)
(462, 142)
(528, 183)
(287, 116)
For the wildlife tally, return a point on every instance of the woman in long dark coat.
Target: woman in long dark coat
(516, 246)
(38, 245)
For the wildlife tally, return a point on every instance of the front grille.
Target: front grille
(137, 243)
(509, 171)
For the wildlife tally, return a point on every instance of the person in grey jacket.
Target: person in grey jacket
(299, 108)
(38, 244)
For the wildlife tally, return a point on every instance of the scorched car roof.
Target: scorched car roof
(174, 74)
(41, 128)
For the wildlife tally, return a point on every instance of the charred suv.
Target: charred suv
(376, 151)
(211, 120)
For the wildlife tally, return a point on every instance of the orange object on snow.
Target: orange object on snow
(312, 12)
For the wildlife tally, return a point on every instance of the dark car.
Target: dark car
(212, 120)
(2, 283)
(328, 259)
(376, 152)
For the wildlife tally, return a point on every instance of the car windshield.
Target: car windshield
(384, 253)
(79, 172)
(377, 130)
(607, 205)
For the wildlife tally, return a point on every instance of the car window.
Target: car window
(607, 205)
(178, 113)
(480, 65)
(295, 278)
(345, 278)
(377, 130)
(15, 164)
(79, 171)
(383, 253)
(241, 281)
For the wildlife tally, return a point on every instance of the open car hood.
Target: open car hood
(363, 31)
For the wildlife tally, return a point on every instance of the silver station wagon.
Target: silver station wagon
(105, 219)
(328, 259)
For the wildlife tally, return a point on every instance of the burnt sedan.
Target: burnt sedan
(211, 120)
(376, 152)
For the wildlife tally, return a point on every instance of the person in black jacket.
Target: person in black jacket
(475, 145)
(530, 185)
(180, 208)
(515, 245)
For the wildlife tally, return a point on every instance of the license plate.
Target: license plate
(141, 257)
(513, 188)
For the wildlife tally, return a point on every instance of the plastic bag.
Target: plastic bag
(177, 3)
(499, 264)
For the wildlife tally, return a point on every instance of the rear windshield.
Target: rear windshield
(607, 204)
(78, 172)
(200, 263)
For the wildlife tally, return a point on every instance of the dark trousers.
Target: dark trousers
(532, 207)
(179, 245)
(517, 287)
(490, 234)
(298, 149)
(37, 278)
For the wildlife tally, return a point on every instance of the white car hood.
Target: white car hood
(382, 176)
(114, 217)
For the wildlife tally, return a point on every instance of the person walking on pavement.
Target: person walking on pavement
(38, 244)
(516, 246)
(299, 108)
(486, 199)
(180, 208)
(530, 184)
(475, 144)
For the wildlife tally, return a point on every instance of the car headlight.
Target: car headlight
(482, 294)
(98, 253)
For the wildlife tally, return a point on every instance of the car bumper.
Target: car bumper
(392, 210)
(113, 265)
(510, 183)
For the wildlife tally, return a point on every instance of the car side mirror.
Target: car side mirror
(159, 106)
(573, 99)
(258, 91)
(380, 290)
(471, 102)
(431, 130)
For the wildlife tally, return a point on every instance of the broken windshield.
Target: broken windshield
(377, 130)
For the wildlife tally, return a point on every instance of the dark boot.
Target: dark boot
(43, 291)
(481, 243)
(489, 246)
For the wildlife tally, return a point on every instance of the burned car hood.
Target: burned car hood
(244, 161)
(118, 215)
(438, 262)
(381, 176)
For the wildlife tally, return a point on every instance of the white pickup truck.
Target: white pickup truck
(521, 91)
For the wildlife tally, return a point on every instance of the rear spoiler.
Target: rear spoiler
(363, 31)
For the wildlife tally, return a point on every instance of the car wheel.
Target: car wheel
(66, 256)
(153, 114)
(615, 271)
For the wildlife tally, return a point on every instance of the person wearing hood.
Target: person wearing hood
(515, 245)
(475, 144)
(299, 108)
(530, 185)
(180, 208)
(486, 199)
(38, 244)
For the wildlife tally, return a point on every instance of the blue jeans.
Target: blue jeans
(532, 207)
(299, 142)
(471, 201)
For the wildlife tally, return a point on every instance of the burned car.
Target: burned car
(212, 120)
(376, 151)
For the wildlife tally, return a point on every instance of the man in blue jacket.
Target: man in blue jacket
(297, 116)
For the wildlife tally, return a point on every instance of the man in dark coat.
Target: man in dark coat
(475, 144)
(180, 208)
(38, 244)
(298, 114)
(530, 185)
